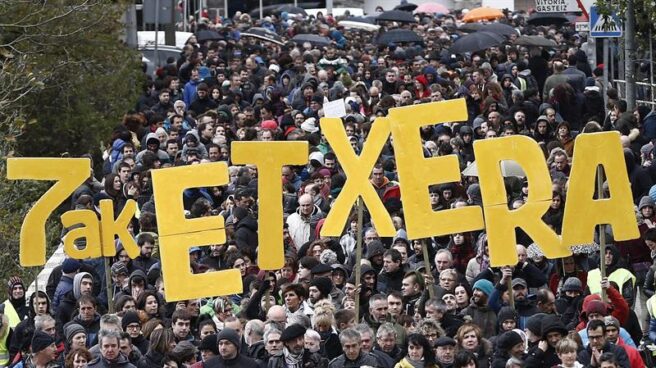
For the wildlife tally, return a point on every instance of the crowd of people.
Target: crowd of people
(450, 310)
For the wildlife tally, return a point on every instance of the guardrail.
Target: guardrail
(644, 92)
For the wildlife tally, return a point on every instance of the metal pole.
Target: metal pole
(424, 249)
(651, 69)
(602, 233)
(156, 33)
(184, 16)
(329, 7)
(261, 10)
(629, 59)
(225, 10)
(605, 86)
(358, 255)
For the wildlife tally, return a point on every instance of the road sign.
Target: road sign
(582, 27)
(556, 6)
(601, 26)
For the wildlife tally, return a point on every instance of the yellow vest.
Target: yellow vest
(651, 306)
(4, 350)
(11, 314)
(619, 276)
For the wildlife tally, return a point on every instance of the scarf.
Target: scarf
(415, 363)
(291, 360)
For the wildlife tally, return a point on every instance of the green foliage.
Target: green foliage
(66, 80)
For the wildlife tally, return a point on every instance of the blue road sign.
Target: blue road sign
(601, 26)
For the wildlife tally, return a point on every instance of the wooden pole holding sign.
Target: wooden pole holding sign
(358, 260)
(511, 297)
(602, 233)
(424, 248)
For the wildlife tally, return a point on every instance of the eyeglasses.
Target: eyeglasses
(597, 337)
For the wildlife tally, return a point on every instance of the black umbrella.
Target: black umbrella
(498, 28)
(263, 34)
(408, 7)
(396, 16)
(266, 10)
(314, 40)
(476, 41)
(207, 35)
(291, 9)
(535, 41)
(547, 19)
(362, 19)
(398, 36)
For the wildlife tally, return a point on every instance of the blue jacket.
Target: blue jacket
(189, 92)
(65, 285)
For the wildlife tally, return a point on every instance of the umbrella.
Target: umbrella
(263, 34)
(398, 36)
(508, 168)
(408, 7)
(535, 41)
(483, 13)
(266, 10)
(396, 16)
(498, 28)
(314, 40)
(591, 248)
(207, 35)
(349, 23)
(290, 9)
(432, 8)
(476, 41)
(547, 19)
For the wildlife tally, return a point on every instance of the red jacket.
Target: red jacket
(634, 355)
(619, 309)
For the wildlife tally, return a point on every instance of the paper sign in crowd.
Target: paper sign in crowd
(416, 173)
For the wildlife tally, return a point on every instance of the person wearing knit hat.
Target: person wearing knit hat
(534, 328)
(15, 307)
(572, 284)
(76, 336)
(43, 349)
(507, 319)
(209, 347)
(229, 343)
(320, 288)
(509, 345)
(479, 311)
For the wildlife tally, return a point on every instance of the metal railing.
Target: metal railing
(644, 92)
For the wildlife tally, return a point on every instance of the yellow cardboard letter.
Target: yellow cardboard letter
(178, 234)
(270, 157)
(119, 227)
(417, 173)
(69, 173)
(357, 170)
(500, 221)
(582, 212)
(89, 230)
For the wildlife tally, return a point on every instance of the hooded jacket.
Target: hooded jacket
(300, 227)
(121, 362)
(246, 234)
(21, 338)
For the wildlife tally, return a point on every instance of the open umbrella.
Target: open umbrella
(263, 34)
(396, 16)
(314, 40)
(291, 9)
(398, 36)
(547, 19)
(207, 35)
(408, 7)
(476, 41)
(508, 168)
(364, 23)
(535, 41)
(483, 13)
(498, 28)
(432, 8)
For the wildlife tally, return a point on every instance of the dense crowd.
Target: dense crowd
(450, 310)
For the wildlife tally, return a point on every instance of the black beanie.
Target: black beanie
(40, 341)
(230, 335)
(128, 318)
(324, 285)
(534, 323)
(508, 339)
(210, 343)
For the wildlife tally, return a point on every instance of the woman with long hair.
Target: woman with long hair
(162, 342)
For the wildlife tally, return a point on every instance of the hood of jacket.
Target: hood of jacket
(77, 283)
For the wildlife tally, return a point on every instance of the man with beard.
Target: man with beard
(14, 307)
(294, 354)
(144, 260)
(478, 310)
(229, 344)
(215, 259)
(392, 276)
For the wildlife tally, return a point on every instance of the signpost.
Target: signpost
(604, 26)
(557, 6)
